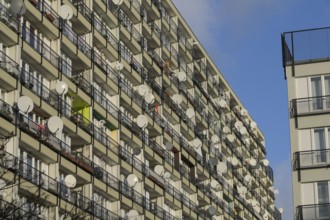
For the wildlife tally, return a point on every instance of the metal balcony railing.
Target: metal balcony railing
(39, 46)
(5, 17)
(309, 106)
(304, 46)
(47, 11)
(311, 159)
(100, 98)
(49, 184)
(9, 65)
(103, 29)
(313, 212)
(105, 67)
(77, 40)
(83, 9)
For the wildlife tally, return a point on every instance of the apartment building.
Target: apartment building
(111, 109)
(306, 67)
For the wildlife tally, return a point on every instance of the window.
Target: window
(323, 198)
(320, 91)
(321, 143)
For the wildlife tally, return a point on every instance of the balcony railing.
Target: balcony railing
(313, 212)
(310, 105)
(105, 67)
(39, 46)
(76, 40)
(5, 16)
(101, 99)
(105, 32)
(47, 11)
(9, 65)
(83, 9)
(49, 184)
(305, 46)
(311, 159)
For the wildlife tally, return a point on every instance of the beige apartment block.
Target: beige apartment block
(112, 109)
(307, 71)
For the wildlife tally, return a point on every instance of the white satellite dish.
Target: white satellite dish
(248, 178)
(257, 208)
(211, 210)
(242, 190)
(222, 167)
(168, 146)
(213, 161)
(142, 121)
(167, 175)
(243, 131)
(281, 210)
(231, 138)
(226, 130)
(143, 90)
(234, 161)
(61, 88)
(197, 143)
(18, 7)
(136, 151)
(119, 66)
(244, 112)
(70, 181)
(253, 125)
(265, 216)
(252, 162)
(190, 113)
(177, 98)
(159, 169)
(215, 139)
(131, 180)
(254, 202)
(117, 2)
(182, 76)
(131, 214)
(65, 12)
(215, 185)
(55, 124)
(223, 103)
(25, 104)
(265, 162)
(238, 125)
(276, 192)
(149, 98)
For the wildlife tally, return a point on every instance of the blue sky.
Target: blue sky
(243, 39)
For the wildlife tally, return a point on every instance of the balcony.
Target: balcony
(311, 159)
(309, 106)
(8, 27)
(77, 48)
(37, 11)
(304, 46)
(103, 38)
(313, 212)
(81, 21)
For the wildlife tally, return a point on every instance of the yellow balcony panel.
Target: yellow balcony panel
(7, 35)
(47, 23)
(7, 82)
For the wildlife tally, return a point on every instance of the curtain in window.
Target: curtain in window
(316, 93)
